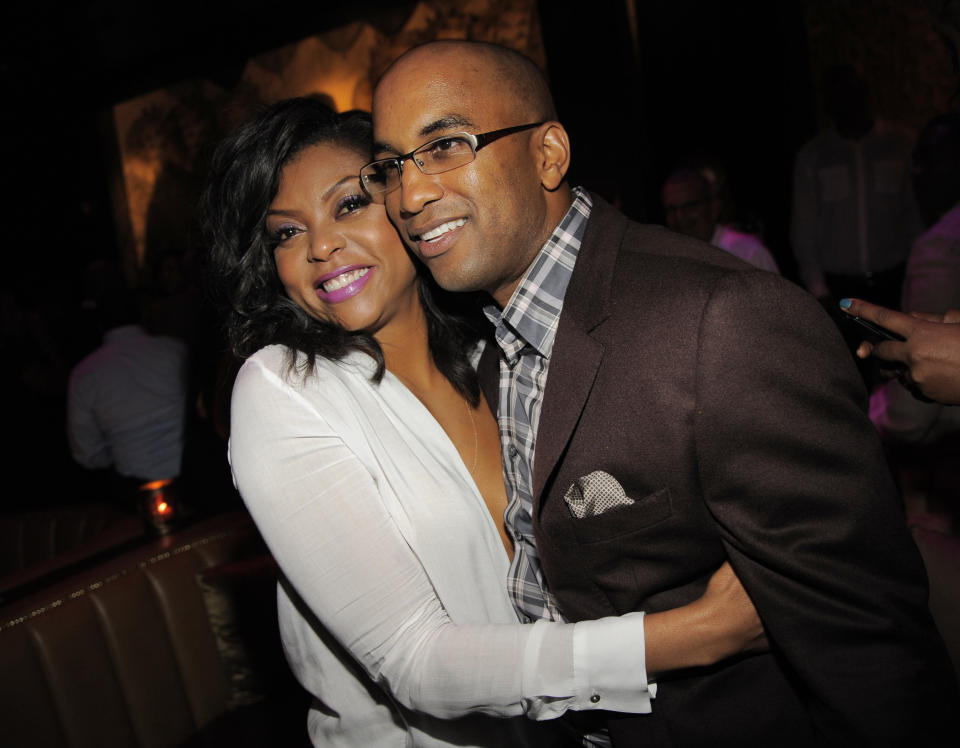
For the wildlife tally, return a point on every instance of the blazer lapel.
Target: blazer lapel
(576, 356)
(573, 367)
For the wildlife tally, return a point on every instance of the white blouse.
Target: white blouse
(392, 561)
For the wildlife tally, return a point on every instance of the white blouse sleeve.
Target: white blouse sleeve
(324, 520)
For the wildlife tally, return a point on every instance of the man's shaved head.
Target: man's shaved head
(514, 74)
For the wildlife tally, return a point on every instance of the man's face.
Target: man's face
(688, 210)
(478, 226)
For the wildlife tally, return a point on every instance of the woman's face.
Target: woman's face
(337, 254)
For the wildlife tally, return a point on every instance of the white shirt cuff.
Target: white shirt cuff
(609, 663)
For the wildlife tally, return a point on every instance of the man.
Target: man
(691, 208)
(126, 404)
(854, 215)
(695, 410)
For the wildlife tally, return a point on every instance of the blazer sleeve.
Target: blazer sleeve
(795, 478)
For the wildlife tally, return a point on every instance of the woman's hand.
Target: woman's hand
(721, 623)
(930, 349)
(730, 612)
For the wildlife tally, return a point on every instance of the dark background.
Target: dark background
(724, 77)
(734, 80)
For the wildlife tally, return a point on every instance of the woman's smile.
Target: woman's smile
(343, 284)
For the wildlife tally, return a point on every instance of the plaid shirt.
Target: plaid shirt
(525, 331)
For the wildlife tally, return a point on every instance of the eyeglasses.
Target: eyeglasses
(434, 157)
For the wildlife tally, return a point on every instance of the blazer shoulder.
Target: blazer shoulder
(610, 230)
(623, 260)
(658, 241)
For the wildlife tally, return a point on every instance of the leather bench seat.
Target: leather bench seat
(124, 654)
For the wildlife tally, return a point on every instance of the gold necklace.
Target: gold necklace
(476, 439)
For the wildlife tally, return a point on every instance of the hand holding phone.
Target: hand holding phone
(877, 333)
(927, 347)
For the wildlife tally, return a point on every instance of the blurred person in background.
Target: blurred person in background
(692, 206)
(126, 401)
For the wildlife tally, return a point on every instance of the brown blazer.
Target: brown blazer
(723, 400)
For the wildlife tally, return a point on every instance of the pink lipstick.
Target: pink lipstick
(342, 284)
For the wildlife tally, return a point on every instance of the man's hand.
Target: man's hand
(930, 349)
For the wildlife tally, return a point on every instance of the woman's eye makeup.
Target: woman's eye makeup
(284, 232)
(350, 203)
(344, 206)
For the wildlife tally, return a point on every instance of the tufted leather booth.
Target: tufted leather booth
(28, 539)
(121, 654)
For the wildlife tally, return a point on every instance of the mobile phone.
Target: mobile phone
(876, 332)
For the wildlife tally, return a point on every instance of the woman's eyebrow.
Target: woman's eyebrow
(325, 196)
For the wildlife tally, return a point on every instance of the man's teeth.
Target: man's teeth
(344, 279)
(442, 229)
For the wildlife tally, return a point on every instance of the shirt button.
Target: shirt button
(595, 698)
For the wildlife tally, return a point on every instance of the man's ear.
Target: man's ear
(553, 155)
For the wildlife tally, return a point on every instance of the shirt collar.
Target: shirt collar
(533, 312)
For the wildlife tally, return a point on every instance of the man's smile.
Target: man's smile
(437, 239)
(442, 229)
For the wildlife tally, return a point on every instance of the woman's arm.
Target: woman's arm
(326, 522)
(721, 623)
(339, 543)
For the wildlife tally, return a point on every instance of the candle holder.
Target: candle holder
(160, 506)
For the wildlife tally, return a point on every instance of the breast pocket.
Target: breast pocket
(622, 520)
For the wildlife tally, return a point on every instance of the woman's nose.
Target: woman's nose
(323, 246)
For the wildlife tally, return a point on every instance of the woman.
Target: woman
(362, 446)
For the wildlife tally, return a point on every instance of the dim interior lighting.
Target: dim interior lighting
(159, 505)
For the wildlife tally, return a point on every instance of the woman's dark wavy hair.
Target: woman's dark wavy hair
(243, 181)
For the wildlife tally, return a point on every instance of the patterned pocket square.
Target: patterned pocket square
(595, 494)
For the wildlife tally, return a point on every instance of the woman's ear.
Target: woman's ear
(554, 155)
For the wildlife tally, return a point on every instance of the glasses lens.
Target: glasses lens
(444, 154)
(380, 176)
